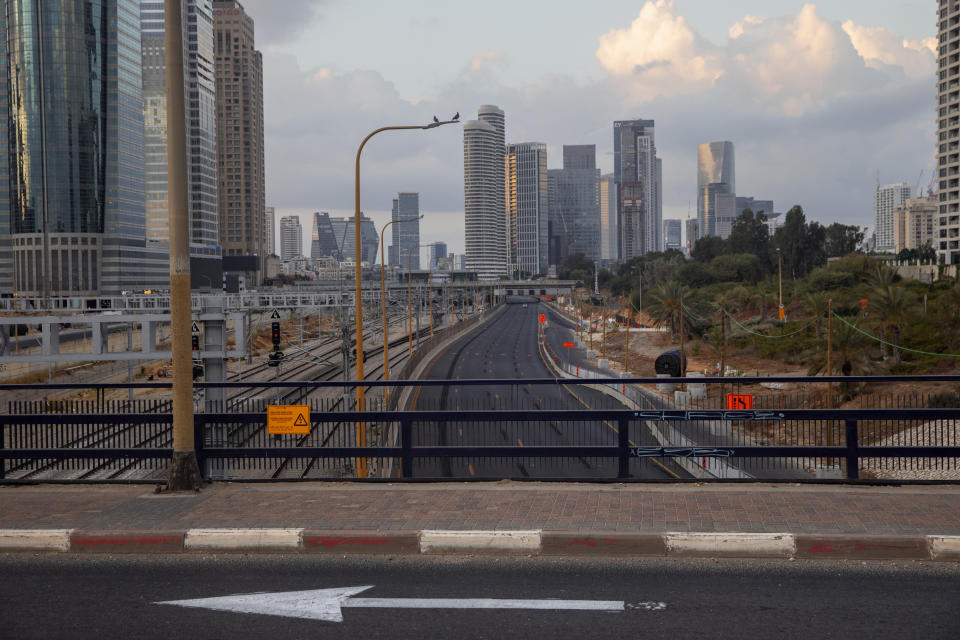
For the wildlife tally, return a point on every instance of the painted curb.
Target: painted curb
(601, 544)
(242, 540)
(127, 542)
(944, 547)
(730, 545)
(35, 539)
(361, 542)
(825, 547)
(520, 542)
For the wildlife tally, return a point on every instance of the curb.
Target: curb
(526, 543)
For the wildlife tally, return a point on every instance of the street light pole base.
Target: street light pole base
(184, 472)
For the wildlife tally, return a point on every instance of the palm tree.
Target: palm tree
(665, 307)
(849, 357)
(893, 304)
(817, 304)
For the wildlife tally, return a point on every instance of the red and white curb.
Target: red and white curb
(528, 543)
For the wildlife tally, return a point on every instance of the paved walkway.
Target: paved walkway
(610, 512)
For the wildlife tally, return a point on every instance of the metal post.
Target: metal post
(623, 447)
(406, 440)
(853, 451)
(214, 370)
(184, 471)
(130, 362)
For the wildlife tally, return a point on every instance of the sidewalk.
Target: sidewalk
(802, 521)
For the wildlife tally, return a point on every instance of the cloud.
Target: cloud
(277, 24)
(661, 52)
(815, 108)
(881, 47)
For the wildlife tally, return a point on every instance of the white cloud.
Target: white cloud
(879, 46)
(661, 53)
(486, 59)
(738, 28)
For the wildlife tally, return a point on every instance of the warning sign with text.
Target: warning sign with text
(288, 419)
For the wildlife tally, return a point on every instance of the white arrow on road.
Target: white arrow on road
(326, 604)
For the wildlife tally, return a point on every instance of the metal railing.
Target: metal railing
(123, 442)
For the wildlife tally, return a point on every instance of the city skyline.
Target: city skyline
(855, 101)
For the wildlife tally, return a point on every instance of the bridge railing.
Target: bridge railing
(132, 442)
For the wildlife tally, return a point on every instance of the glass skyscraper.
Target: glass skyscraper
(484, 178)
(72, 209)
(406, 235)
(638, 173)
(575, 202)
(716, 177)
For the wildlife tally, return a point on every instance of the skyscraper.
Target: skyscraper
(72, 210)
(693, 234)
(323, 238)
(201, 124)
(575, 204)
(406, 235)
(672, 230)
(484, 185)
(948, 132)
(437, 250)
(343, 229)
(888, 198)
(527, 208)
(291, 238)
(270, 231)
(716, 176)
(239, 117)
(609, 231)
(638, 174)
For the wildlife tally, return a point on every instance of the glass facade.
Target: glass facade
(577, 201)
(73, 102)
(406, 235)
(716, 176)
(638, 174)
(527, 208)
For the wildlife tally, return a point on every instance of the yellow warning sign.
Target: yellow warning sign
(291, 418)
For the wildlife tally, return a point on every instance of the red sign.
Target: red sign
(543, 318)
(568, 345)
(739, 402)
(863, 303)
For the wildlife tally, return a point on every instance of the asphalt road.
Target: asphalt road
(506, 348)
(116, 597)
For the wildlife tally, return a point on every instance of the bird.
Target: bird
(435, 119)
(456, 116)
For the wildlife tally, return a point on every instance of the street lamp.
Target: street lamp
(358, 273)
(383, 298)
(780, 311)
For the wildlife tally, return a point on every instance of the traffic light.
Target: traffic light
(275, 332)
(195, 341)
(275, 358)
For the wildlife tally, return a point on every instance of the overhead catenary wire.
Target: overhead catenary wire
(744, 328)
(890, 344)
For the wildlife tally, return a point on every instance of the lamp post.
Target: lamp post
(383, 298)
(358, 253)
(780, 311)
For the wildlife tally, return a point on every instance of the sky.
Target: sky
(820, 99)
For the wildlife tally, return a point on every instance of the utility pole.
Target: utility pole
(683, 351)
(184, 471)
(830, 352)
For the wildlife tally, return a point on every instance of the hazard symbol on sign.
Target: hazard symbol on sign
(288, 419)
(739, 402)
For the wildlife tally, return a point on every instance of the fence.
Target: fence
(124, 442)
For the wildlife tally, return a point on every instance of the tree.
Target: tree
(802, 245)
(665, 306)
(707, 248)
(575, 262)
(843, 239)
(750, 234)
(893, 305)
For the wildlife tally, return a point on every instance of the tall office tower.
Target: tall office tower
(343, 229)
(576, 201)
(716, 176)
(201, 125)
(484, 191)
(756, 206)
(437, 250)
(672, 230)
(72, 210)
(888, 198)
(528, 251)
(557, 226)
(406, 235)
(270, 231)
(239, 117)
(608, 218)
(693, 234)
(639, 175)
(323, 238)
(291, 238)
(948, 132)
